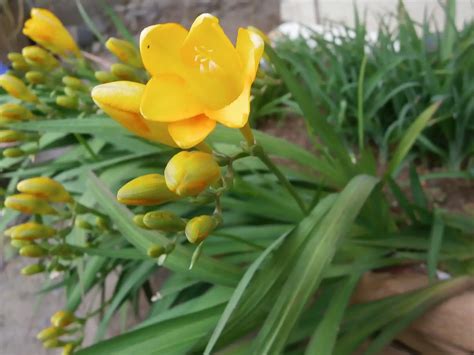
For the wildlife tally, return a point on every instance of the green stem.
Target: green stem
(86, 145)
(260, 153)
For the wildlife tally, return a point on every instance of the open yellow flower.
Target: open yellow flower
(48, 31)
(198, 77)
(121, 101)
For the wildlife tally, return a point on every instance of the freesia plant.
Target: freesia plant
(160, 172)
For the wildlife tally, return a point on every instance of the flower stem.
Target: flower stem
(260, 153)
(248, 135)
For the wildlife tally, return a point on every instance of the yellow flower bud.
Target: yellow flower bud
(32, 270)
(29, 204)
(20, 66)
(70, 102)
(198, 228)
(33, 251)
(146, 190)
(70, 92)
(105, 76)
(190, 173)
(35, 77)
(13, 153)
(164, 221)
(138, 220)
(16, 88)
(15, 57)
(45, 187)
(124, 51)
(49, 333)
(62, 319)
(74, 83)
(14, 112)
(68, 349)
(31, 231)
(10, 136)
(124, 72)
(48, 31)
(39, 57)
(155, 251)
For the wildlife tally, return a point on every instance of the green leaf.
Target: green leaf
(410, 138)
(311, 264)
(437, 232)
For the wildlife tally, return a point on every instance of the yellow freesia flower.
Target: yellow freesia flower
(48, 31)
(198, 77)
(121, 101)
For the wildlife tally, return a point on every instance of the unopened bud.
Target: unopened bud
(49, 333)
(74, 83)
(31, 231)
(146, 190)
(190, 173)
(124, 51)
(164, 221)
(70, 102)
(13, 153)
(62, 319)
(10, 136)
(83, 224)
(33, 251)
(70, 92)
(155, 251)
(124, 72)
(16, 88)
(14, 112)
(39, 57)
(68, 349)
(105, 76)
(138, 220)
(32, 270)
(15, 57)
(35, 77)
(29, 204)
(20, 66)
(102, 223)
(199, 228)
(53, 343)
(17, 244)
(44, 187)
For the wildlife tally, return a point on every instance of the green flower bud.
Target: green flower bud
(13, 153)
(199, 228)
(35, 77)
(32, 269)
(105, 77)
(124, 72)
(49, 333)
(17, 244)
(155, 251)
(70, 102)
(164, 221)
(11, 136)
(146, 190)
(62, 319)
(83, 224)
(102, 223)
(33, 251)
(74, 83)
(124, 51)
(31, 231)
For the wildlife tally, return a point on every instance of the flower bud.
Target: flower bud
(35, 77)
(67, 102)
(49, 333)
(70, 92)
(62, 319)
(16, 88)
(29, 204)
(124, 72)
(105, 76)
(74, 83)
(198, 228)
(32, 270)
(33, 251)
(39, 57)
(20, 66)
(155, 251)
(13, 152)
(190, 173)
(68, 349)
(15, 57)
(124, 51)
(10, 136)
(146, 190)
(31, 231)
(138, 220)
(102, 223)
(44, 187)
(14, 112)
(164, 221)
(83, 224)
(53, 343)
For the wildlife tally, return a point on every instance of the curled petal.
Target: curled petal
(190, 132)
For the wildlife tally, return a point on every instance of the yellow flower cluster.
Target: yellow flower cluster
(61, 322)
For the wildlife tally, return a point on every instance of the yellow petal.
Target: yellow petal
(160, 46)
(188, 133)
(237, 113)
(167, 99)
(158, 132)
(250, 48)
(212, 67)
